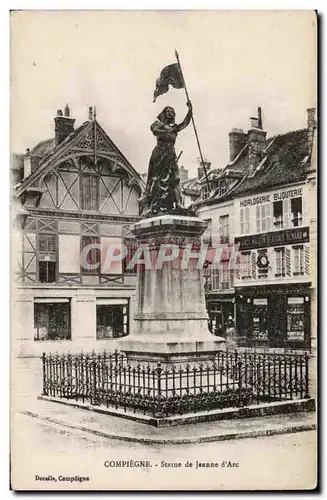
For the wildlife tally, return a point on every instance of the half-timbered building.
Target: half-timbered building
(73, 192)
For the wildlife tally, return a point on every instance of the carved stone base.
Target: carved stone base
(171, 318)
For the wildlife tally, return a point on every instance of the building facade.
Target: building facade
(74, 198)
(272, 280)
(270, 211)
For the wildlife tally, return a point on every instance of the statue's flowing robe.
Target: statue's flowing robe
(163, 175)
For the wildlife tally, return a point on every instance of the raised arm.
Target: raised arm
(187, 118)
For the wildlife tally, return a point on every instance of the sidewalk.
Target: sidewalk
(112, 427)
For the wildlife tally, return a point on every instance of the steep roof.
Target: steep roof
(44, 147)
(286, 161)
(47, 152)
(191, 186)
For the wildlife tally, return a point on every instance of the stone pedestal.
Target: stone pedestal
(171, 318)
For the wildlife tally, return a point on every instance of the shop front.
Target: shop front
(221, 313)
(274, 315)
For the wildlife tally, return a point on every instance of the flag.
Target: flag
(170, 75)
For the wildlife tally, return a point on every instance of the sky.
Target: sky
(233, 62)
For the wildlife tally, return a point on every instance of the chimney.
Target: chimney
(311, 125)
(203, 165)
(64, 125)
(183, 173)
(27, 164)
(256, 141)
(237, 141)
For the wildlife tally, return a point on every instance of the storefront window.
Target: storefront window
(112, 319)
(52, 319)
(295, 319)
(259, 318)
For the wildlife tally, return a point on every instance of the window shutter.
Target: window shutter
(286, 214)
(69, 253)
(288, 261)
(263, 218)
(258, 218)
(247, 220)
(268, 216)
(253, 265)
(242, 220)
(307, 259)
(237, 267)
(305, 211)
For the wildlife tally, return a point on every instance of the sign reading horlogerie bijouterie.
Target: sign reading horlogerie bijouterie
(267, 198)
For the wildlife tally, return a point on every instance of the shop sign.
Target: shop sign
(274, 238)
(260, 302)
(267, 198)
(295, 300)
(295, 335)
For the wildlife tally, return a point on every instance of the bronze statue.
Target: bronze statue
(162, 192)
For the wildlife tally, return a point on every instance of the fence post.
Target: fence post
(239, 376)
(44, 391)
(310, 375)
(159, 371)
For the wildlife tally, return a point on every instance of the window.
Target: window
(47, 258)
(225, 276)
(245, 265)
(260, 319)
(278, 214)
(89, 192)
(205, 191)
(52, 319)
(295, 318)
(296, 209)
(208, 232)
(112, 320)
(263, 221)
(298, 261)
(224, 228)
(131, 246)
(215, 276)
(92, 256)
(280, 262)
(223, 187)
(245, 220)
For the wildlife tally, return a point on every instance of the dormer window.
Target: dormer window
(205, 192)
(222, 187)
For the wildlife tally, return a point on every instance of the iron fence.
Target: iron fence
(232, 380)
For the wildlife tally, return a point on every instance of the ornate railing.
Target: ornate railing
(233, 380)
